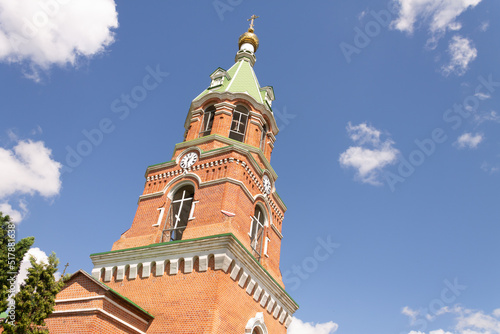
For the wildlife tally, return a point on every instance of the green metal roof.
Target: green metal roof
(242, 80)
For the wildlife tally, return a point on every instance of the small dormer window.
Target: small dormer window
(269, 95)
(268, 100)
(218, 78)
(217, 82)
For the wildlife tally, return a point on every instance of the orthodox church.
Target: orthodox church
(203, 252)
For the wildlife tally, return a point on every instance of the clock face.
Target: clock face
(267, 184)
(188, 160)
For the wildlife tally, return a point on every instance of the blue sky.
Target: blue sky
(389, 146)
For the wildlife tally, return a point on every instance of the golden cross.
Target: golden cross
(252, 19)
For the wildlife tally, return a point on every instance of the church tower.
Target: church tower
(203, 252)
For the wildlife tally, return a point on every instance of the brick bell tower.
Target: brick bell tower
(203, 252)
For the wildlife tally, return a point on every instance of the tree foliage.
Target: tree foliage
(11, 256)
(36, 298)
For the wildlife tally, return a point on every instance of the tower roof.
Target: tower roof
(241, 78)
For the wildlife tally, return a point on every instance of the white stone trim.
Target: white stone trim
(160, 217)
(102, 297)
(257, 321)
(225, 112)
(224, 104)
(191, 213)
(282, 317)
(95, 309)
(266, 245)
(79, 299)
(235, 272)
(257, 124)
(228, 254)
(275, 229)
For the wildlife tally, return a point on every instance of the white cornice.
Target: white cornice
(275, 229)
(228, 253)
(225, 112)
(240, 148)
(225, 104)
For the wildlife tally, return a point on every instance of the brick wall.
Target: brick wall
(197, 302)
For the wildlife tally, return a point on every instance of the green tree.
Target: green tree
(11, 255)
(36, 299)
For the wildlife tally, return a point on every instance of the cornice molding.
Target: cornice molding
(229, 254)
(222, 111)
(179, 173)
(275, 229)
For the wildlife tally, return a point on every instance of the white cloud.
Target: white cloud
(469, 321)
(489, 168)
(469, 140)
(40, 257)
(439, 331)
(300, 327)
(482, 96)
(363, 134)
(491, 116)
(370, 155)
(15, 215)
(484, 26)
(27, 169)
(462, 53)
(40, 34)
(438, 14)
(472, 322)
(362, 15)
(412, 314)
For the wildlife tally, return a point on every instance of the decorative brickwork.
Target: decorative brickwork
(203, 252)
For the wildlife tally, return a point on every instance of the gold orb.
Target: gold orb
(249, 37)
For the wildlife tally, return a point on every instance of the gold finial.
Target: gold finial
(249, 36)
(251, 19)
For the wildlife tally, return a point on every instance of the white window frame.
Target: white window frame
(160, 217)
(191, 213)
(266, 244)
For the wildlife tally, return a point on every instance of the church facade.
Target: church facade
(203, 252)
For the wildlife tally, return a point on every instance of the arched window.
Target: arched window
(239, 123)
(256, 325)
(180, 210)
(263, 138)
(257, 232)
(208, 121)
